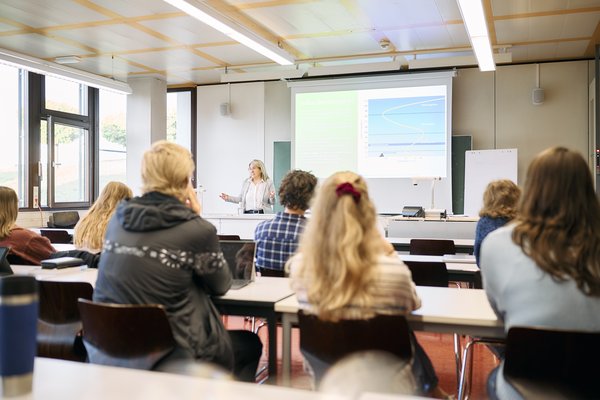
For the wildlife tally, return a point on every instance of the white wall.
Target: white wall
(226, 144)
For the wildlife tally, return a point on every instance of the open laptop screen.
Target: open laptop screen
(239, 254)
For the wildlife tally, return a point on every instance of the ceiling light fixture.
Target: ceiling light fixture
(67, 60)
(234, 30)
(475, 23)
(44, 67)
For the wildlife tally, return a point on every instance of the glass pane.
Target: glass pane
(113, 150)
(12, 162)
(71, 164)
(67, 96)
(179, 108)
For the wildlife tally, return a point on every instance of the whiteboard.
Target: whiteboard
(482, 167)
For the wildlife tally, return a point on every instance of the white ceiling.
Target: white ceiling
(122, 39)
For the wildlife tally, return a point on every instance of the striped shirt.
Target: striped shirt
(392, 292)
(277, 239)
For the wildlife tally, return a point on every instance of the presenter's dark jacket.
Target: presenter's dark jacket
(158, 251)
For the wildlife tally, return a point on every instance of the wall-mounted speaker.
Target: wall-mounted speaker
(225, 109)
(537, 96)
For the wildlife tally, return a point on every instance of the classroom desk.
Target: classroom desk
(73, 274)
(258, 300)
(461, 245)
(443, 310)
(59, 379)
(461, 267)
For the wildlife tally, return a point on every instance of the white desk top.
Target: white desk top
(63, 246)
(448, 258)
(448, 309)
(73, 274)
(59, 379)
(406, 240)
(263, 289)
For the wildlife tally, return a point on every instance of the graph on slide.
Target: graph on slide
(397, 127)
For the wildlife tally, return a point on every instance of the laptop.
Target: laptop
(5, 268)
(239, 255)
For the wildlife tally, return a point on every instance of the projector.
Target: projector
(435, 213)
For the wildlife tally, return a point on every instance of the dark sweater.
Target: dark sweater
(485, 225)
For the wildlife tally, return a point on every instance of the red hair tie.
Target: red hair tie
(347, 188)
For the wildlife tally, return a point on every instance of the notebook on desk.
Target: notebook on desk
(239, 255)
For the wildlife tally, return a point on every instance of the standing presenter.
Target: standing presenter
(258, 191)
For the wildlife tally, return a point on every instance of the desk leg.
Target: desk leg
(286, 348)
(272, 328)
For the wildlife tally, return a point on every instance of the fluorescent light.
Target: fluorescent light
(43, 67)
(475, 23)
(234, 30)
(67, 60)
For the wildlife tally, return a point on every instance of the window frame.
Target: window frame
(193, 119)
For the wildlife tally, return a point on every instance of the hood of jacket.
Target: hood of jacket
(153, 211)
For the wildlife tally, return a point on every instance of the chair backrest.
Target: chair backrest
(276, 273)
(59, 323)
(477, 281)
(432, 247)
(126, 335)
(545, 363)
(229, 237)
(57, 236)
(331, 341)
(428, 273)
(5, 268)
(63, 219)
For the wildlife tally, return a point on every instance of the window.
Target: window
(13, 160)
(181, 119)
(113, 141)
(66, 96)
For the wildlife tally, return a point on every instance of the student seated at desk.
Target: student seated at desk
(277, 239)
(543, 270)
(90, 230)
(26, 246)
(344, 269)
(500, 200)
(158, 250)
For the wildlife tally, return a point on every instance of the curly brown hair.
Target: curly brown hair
(500, 199)
(558, 220)
(296, 189)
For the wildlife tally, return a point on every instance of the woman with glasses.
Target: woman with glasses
(258, 191)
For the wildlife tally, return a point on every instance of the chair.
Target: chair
(59, 323)
(229, 237)
(57, 236)
(277, 273)
(126, 335)
(432, 247)
(552, 364)
(63, 219)
(428, 273)
(323, 342)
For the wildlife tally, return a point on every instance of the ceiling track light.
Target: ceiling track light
(67, 60)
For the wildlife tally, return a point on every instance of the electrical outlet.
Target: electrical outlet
(36, 200)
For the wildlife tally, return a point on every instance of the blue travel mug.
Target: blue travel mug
(18, 330)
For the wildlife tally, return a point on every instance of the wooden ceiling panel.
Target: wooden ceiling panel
(136, 8)
(39, 46)
(580, 25)
(42, 13)
(404, 39)
(236, 54)
(358, 43)
(434, 37)
(169, 60)
(449, 10)
(571, 49)
(113, 67)
(403, 13)
(114, 38)
(187, 30)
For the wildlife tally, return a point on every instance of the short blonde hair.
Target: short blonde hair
(261, 166)
(500, 199)
(340, 246)
(9, 208)
(167, 168)
(90, 230)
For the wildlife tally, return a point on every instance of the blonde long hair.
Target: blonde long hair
(340, 246)
(90, 231)
(9, 208)
(167, 168)
(558, 221)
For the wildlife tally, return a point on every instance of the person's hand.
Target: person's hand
(192, 200)
(272, 194)
(224, 196)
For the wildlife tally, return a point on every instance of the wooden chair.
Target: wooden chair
(59, 323)
(126, 335)
(57, 236)
(277, 273)
(323, 343)
(432, 247)
(552, 364)
(428, 273)
(229, 237)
